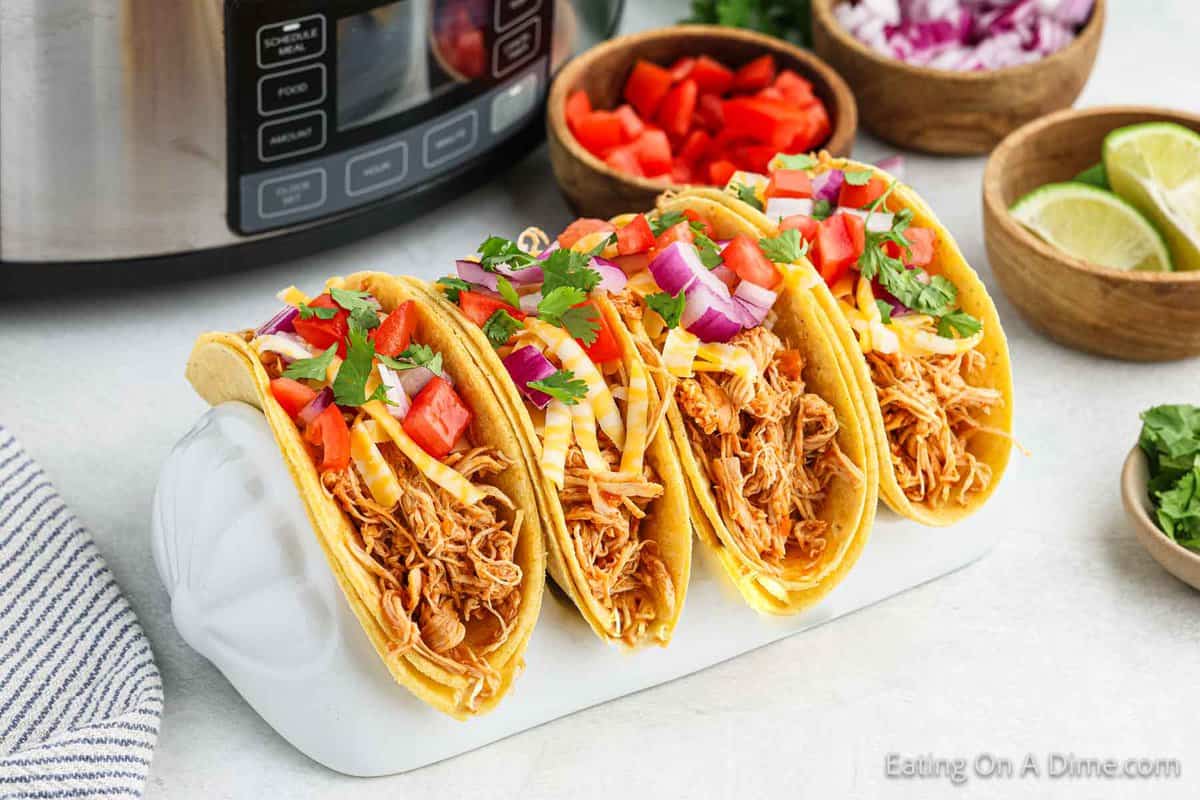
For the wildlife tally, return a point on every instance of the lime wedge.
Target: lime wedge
(1093, 225)
(1156, 167)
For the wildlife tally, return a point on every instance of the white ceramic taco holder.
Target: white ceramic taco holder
(251, 591)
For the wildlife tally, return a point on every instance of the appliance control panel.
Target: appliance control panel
(337, 105)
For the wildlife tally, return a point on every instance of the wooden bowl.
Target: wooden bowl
(595, 189)
(1174, 558)
(956, 113)
(1139, 316)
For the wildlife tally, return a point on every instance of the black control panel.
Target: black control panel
(338, 105)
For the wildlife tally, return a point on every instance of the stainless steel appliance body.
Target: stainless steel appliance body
(175, 129)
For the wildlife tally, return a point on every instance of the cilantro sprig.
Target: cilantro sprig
(500, 327)
(795, 161)
(312, 369)
(747, 195)
(668, 307)
(363, 308)
(320, 312)
(451, 287)
(415, 355)
(496, 251)
(350, 385)
(562, 386)
(786, 248)
(570, 268)
(661, 222)
(1170, 438)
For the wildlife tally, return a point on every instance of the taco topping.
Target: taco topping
(390, 436)
(921, 347)
(592, 412)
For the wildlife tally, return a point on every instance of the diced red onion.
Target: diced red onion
(315, 406)
(678, 267)
(780, 207)
(546, 253)
(725, 275)
(612, 277)
(280, 323)
(400, 403)
(472, 272)
(709, 315)
(751, 316)
(894, 166)
(288, 346)
(412, 381)
(528, 364)
(529, 302)
(828, 185)
(877, 221)
(755, 295)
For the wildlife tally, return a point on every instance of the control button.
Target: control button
(510, 12)
(511, 105)
(451, 138)
(515, 49)
(292, 89)
(379, 168)
(291, 194)
(288, 42)
(292, 136)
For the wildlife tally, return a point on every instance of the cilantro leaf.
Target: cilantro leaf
(507, 292)
(562, 386)
(350, 385)
(452, 286)
(859, 178)
(960, 321)
(914, 288)
(822, 209)
(710, 254)
(747, 195)
(496, 251)
(1170, 438)
(312, 369)
(320, 312)
(568, 268)
(415, 355)
(885, 311)
(365, 318)
(582, 322)
(668, 307)
(783, 19)
(558, 301)
(796, 161)
(786, 248)
(364, 309)
(500, 327)
(661, 222)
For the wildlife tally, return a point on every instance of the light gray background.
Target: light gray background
(1066, 638)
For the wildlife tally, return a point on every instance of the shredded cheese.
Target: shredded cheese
(584, 425)
(292, 296)
(637, 415)
(642, 284)
(714, 356)
(679, 352)
(555, 441)
(371, 464)
(452, 481)
(572, 356)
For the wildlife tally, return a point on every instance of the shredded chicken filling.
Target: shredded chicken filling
(930, 411)
(769, 450)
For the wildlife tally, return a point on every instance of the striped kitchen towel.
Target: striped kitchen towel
(80, 695)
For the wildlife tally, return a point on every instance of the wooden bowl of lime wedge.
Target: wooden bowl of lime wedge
(1092, 226)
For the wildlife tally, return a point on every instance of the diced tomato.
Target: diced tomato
(755, 75)
(797, 90)
(646, 87)
(770, 122)
(579, 105)
(679, 232)
(771, 93)
(753, 157)
(329, 432)
(697, 219)
(599, 131)
(479, 307)
(710, 112)
(292, 395)
(920, 243)
(862, 196)
(682, 68)
(581, 228)
(675, 112)
(789, 183)
(681, 172)
(437, 418)
(321, 333)
(653, 151)
(635, 236)
(695, 147)
(711, 75)
(840, 241)
(604, 348)
(746, 258)
(806, 225)
(394, 333)
(631, 124)
(625, 159)
(719, 172)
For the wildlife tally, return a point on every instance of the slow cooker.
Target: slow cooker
(185, 135)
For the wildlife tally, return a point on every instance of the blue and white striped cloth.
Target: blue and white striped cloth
(80, 695)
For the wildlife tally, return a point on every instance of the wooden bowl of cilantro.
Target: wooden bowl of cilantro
(1161, 489)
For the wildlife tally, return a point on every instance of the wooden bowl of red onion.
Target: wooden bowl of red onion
(959, 83)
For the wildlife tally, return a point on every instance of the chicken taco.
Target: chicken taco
(420, 494)
(919, 333)
(592, 413)
(780, 475)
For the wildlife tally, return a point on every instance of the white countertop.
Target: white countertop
(1067, 638)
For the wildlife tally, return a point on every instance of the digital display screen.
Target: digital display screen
(401, 55)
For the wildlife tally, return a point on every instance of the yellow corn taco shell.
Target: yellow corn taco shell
(223, 368)
(666, 522)
(992, 445)
(849, 504)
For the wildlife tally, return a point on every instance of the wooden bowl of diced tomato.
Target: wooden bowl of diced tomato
(686, 105)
